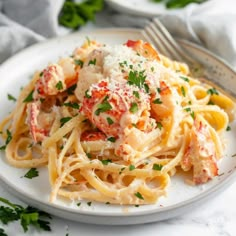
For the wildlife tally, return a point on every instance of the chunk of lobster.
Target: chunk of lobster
(145, 49)
(56, 78)
(200, 153)
(39, 122)
(112, 107)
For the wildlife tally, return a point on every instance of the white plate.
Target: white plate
(145, 8)
(17, 71)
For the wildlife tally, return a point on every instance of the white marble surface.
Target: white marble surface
(215, 218)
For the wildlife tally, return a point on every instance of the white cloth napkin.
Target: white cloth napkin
(211, 24)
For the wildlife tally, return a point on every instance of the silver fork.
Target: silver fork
(157, 34)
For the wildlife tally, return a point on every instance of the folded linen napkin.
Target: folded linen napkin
(211, 24)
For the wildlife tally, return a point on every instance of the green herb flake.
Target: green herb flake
(71, 89)
(183, 91)
(106, 162)
(64, 120)
(41, 74)
(136, 205)
(109, 121)
(159, 125)
(136, 78)
(131, 167)
(139, 195)
(73, 105)
(29, 98)
(228, 128)
(157, 167)
(103, 107)
(186, 79)
(8, 140)
(32, 173)
(79, 62)
(133, 107)
(212, 91)
(111, 139)
(89, 155)
(157, 101)
(11, 98)
(59, 85)
(89, 203)
(107, 203)
(136, 94)
(192, 114)
(87, 94)
(78, 204)
(92, 62)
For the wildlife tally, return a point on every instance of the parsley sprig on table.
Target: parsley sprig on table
(28, 216)
(178, 3)
(74, 14)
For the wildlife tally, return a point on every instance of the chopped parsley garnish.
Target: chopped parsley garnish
(134, 107)
(188, 109)
(8, 140)
(41, 74)
(103, 107)
(28, 216)
(92, 62)
(121, 170)
(107, 203)
(78, 204)
(157, 167)
(152, 69)
(106, 162)
(136, 78)
(183, 91)
(73, 105)
(79, 62)
(89, 203)
(157, 101)
(109, 121)
(184, 78)
(228, 128)
(139, 195)
(210, 103)
(63, 120)
(10, 97)
(87, 95)
(159, 125)
(111, 139)
(32, 173)
(71, 89)
(59, 85)
(159, 90)
(131, 167)
(89, 155)
(212, 91)
(136, 94)
(29, 98)
(192, 114)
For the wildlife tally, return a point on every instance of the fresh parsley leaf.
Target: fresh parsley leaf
(8, 140)
(89, 203)
(79, 62)
(139, 195)
(28, 216)
(134, 107)
(75, 14)
(186, 79)
(159, 125)
(103, 107)
(2, 232)
(131, 167)
(228, 128)
(87, 95)
(136, 94)
(32, 173)
(157, 101)
(111, 139)
(73, 105)
(157, 167)
(71, 89)
(92, 62)
(212, 91)
(183, 91)
(106, 162)
(59, 85)
(109, 121)
(136, 78)
(29, 98)
(63, 120)
(11, 98)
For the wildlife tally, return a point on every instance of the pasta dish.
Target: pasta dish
(114, 123)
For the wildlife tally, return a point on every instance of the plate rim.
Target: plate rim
(162, 212)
